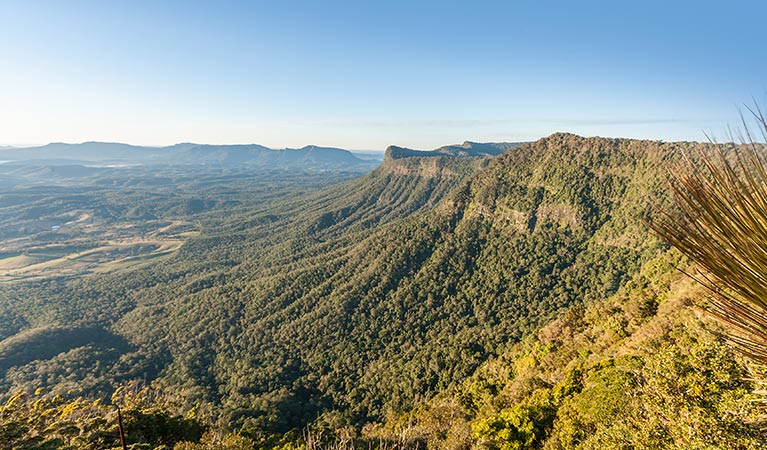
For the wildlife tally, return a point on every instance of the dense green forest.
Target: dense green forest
(441, 301)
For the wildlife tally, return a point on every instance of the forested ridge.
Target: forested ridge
(406, 306)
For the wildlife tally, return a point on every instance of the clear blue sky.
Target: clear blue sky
(364, 75)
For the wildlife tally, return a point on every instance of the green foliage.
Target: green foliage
(510, 429)
(44, 420)
(663, 382)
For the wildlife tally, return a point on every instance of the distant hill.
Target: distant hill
(87, 151)
(255, 155)
(250, 155)
(81, 159)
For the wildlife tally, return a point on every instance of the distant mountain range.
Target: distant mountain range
(247, 155)
(184, 154)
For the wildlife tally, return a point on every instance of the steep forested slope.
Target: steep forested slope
(640, 369)
(371, 296)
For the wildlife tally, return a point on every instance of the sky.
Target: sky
(365, 75)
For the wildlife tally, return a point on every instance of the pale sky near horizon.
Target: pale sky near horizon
(364, 75)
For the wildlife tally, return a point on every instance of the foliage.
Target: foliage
(45, 420)
(662, 382)
(511, 429)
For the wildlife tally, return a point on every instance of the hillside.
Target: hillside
(369, 298)
(640, 369)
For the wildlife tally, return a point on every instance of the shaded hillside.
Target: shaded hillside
(377, 294)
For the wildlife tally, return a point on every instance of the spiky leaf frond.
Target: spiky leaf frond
(721, 224)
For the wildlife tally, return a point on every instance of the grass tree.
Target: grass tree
(721, 224)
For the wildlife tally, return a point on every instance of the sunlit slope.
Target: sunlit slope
(640, 369)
